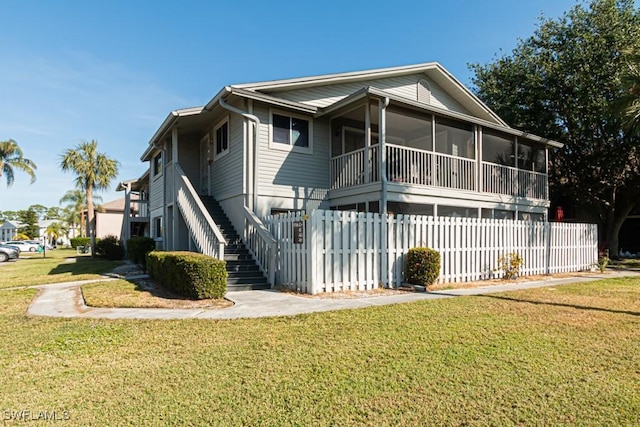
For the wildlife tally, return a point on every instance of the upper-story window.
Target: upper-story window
(221, 135)
(157, 164)
(290, 132)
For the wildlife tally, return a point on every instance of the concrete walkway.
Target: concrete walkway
(65, 300)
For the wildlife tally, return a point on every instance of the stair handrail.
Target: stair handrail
(264, 250)
(197, 218)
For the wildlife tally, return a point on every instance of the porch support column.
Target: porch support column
(126, 218)
(367, 142)
(480, 172)
(384, 103)
(174, 161)
(384, 244)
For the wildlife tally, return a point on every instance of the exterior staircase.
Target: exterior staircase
(244, 273)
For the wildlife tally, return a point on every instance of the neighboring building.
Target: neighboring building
(110, 218)
(409, 139)
(9, 229)
(135, 224)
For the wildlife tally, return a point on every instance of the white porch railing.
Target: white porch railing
(139, 208)
(262, 245)
(409, 165)
(203, 229)
(355, 168)
(508, 180)
(455, 172)
(421, 167)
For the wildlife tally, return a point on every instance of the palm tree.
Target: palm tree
(94, 171)
(630, 100)
(76, 201)
(54, 231)
(11, 158)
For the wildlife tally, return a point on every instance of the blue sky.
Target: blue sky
(113, 70)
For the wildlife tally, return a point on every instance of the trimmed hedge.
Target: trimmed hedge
(190, 274)
(80, 241)
(422, 267)
(138, 248)
(110, 247)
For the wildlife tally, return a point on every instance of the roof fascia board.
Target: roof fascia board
(469, 94)
(257, 96)
(337, 77)
(166, 125)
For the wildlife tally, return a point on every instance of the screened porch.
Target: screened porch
(429, 150)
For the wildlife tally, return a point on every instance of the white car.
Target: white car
(24, 246)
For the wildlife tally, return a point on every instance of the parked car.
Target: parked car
(24, 245)
(8, 252)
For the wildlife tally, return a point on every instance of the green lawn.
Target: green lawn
(551, 356)
(60, 265)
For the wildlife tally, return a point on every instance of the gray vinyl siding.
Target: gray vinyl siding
(225, 177)
(298, 177)
(189, 158)
(156, 191)
(405, 86)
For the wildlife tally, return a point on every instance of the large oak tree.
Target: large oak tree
(563, 83)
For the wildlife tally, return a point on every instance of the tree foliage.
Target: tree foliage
(12, 158)
(94, 171)
(563, 83)
(630, 101)
(30, 219)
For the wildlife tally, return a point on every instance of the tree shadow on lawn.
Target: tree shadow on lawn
(171, 299)
(558, 304)
(157, 290)
(83, 265)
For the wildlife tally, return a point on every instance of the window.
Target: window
(157, 164)
(290, 131)
(222, 138)
(157, 227)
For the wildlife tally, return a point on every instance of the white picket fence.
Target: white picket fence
(347, 251)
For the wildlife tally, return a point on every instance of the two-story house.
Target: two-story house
(409, 139)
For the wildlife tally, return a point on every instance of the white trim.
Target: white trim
(289, 147)
(161, 166)
(224, 152)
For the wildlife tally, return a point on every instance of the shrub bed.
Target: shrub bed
(138, 248)
(422, 267)
(190, 274)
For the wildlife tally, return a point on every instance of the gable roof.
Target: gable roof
(432, 70)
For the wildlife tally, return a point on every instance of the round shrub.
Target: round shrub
(110, 248)
(423, 266)
(138, 248)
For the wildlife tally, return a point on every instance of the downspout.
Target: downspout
(383, 208)
(256, 122)
(383, 153)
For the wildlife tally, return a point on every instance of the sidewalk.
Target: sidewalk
(65, 300)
